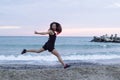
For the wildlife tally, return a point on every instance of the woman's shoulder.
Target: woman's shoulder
(51, 32)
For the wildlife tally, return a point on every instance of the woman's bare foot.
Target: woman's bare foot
(24, 51)
(66, 66)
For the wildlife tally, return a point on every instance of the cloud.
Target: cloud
(92, 31)
(114, 5)
(117, 5)
(9, 27)
(68, 12)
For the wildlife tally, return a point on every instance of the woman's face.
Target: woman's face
(54, 27)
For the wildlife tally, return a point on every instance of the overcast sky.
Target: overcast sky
(78, 17)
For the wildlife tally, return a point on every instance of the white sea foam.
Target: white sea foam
(53, 58)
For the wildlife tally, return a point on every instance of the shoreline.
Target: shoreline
(75, 63)
(113, 61)
(78, 71)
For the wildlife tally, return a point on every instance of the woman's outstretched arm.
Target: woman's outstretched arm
(42, 33)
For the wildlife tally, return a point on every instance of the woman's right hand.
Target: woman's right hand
(35, 32)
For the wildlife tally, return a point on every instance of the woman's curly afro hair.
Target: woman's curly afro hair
(58, 27)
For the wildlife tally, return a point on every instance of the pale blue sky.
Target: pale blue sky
(78, 17)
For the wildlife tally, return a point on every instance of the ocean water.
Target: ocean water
(70, 48)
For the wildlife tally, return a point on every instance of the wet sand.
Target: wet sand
(78, 71)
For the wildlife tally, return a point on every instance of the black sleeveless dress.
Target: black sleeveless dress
(50, 44)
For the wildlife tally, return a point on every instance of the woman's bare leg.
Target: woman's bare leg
(58, 56)
(35, 51)
(32, 50)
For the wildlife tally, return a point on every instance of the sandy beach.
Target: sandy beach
(78, 71)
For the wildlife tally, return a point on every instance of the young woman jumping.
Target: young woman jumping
(55, 28)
